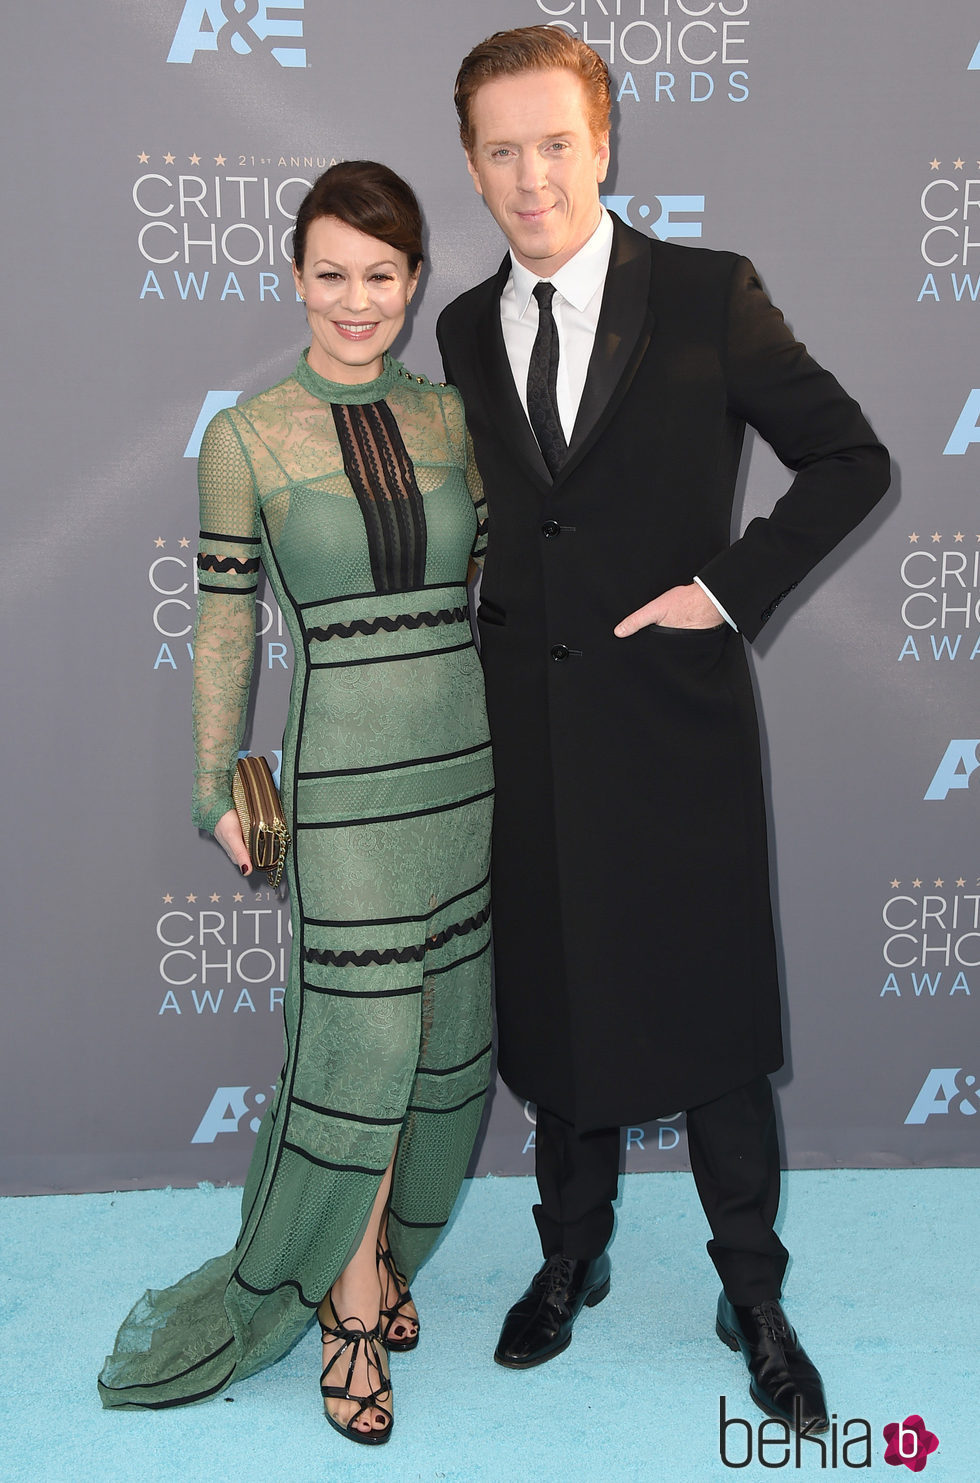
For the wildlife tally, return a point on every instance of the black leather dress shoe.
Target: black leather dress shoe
(785, 1382)
(539, 1325)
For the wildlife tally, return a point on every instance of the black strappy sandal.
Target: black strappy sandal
(353, 1342)
(393, 1313)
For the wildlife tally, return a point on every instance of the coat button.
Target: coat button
(559, 652)
(550, 529)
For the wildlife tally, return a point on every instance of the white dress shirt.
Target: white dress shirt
(578, 299)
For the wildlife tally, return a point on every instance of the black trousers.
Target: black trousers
(734, 1155)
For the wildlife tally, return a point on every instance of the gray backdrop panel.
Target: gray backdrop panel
(834, 143)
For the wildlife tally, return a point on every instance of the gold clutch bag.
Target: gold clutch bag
(259, 810)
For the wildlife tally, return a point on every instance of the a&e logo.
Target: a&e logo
(665, 224)
(204, 22)
(942, 1093)
(966, 431)
(227, 1108)
(909, 1442)
(214, 402)
(960, 762)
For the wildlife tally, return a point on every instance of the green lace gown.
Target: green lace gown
(364, 505)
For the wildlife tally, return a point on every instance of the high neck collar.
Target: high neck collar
(357, 394)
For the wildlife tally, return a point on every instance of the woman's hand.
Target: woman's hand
(228, 833)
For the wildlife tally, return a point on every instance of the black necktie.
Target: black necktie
(542, 383)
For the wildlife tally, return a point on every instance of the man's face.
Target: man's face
(537, 165)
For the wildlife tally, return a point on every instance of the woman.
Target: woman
(354, 483)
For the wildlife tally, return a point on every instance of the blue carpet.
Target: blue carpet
(883, 1289)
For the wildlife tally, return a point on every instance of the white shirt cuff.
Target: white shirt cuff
(708, 593)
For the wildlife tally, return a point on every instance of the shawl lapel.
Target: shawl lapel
(621, 340)
(502, 398)
(622, 337)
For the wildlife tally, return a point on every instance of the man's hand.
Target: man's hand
(681, 607)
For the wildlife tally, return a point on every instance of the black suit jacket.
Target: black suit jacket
(626, 987)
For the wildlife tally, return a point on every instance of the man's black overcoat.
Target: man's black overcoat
(633, 936)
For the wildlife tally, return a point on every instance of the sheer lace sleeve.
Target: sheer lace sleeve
(475, 486)
(461, 448)
(224, 639)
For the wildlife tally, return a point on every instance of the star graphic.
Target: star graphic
(168, 900)
(238, 896)
(935, 537)
(960, 881)
(913, 538)
(195, 159)
(184, 542)
(215, 896)
(895, 885)
(168, 158)
(933, 164)
(191, 899)
(159, 541)
(938, 882)
(958, 536)
(917, 883)
(143, 158)
(957, 164)
(219, 159)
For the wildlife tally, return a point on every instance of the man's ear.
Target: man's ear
(602, 157)
(474, 175)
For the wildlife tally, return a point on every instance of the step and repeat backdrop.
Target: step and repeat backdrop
(156, 152)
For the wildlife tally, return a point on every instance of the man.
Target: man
(608, 413)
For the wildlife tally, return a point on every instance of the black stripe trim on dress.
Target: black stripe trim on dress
(372, 957)
(438, 1111)
(328, 1164)
(356, 772)
(384, 624)
(382, 476)
(215, 535)
(350, 1117)
(228, 591)
(169, 1379)
(458, 962)
(417, 1225)
(415, 813)
(423, 916)
(326, 602)
(448, 1070)
(184, 1400)
(208, 562)
(362, 993)
(273, 1149)
(392, 658)
(265, 1292)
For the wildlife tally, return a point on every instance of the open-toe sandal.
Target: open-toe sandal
(394, 1314)
(355, 1342)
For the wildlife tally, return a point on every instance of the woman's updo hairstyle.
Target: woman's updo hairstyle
(368, 197)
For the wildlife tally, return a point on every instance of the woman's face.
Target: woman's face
(357, 289)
